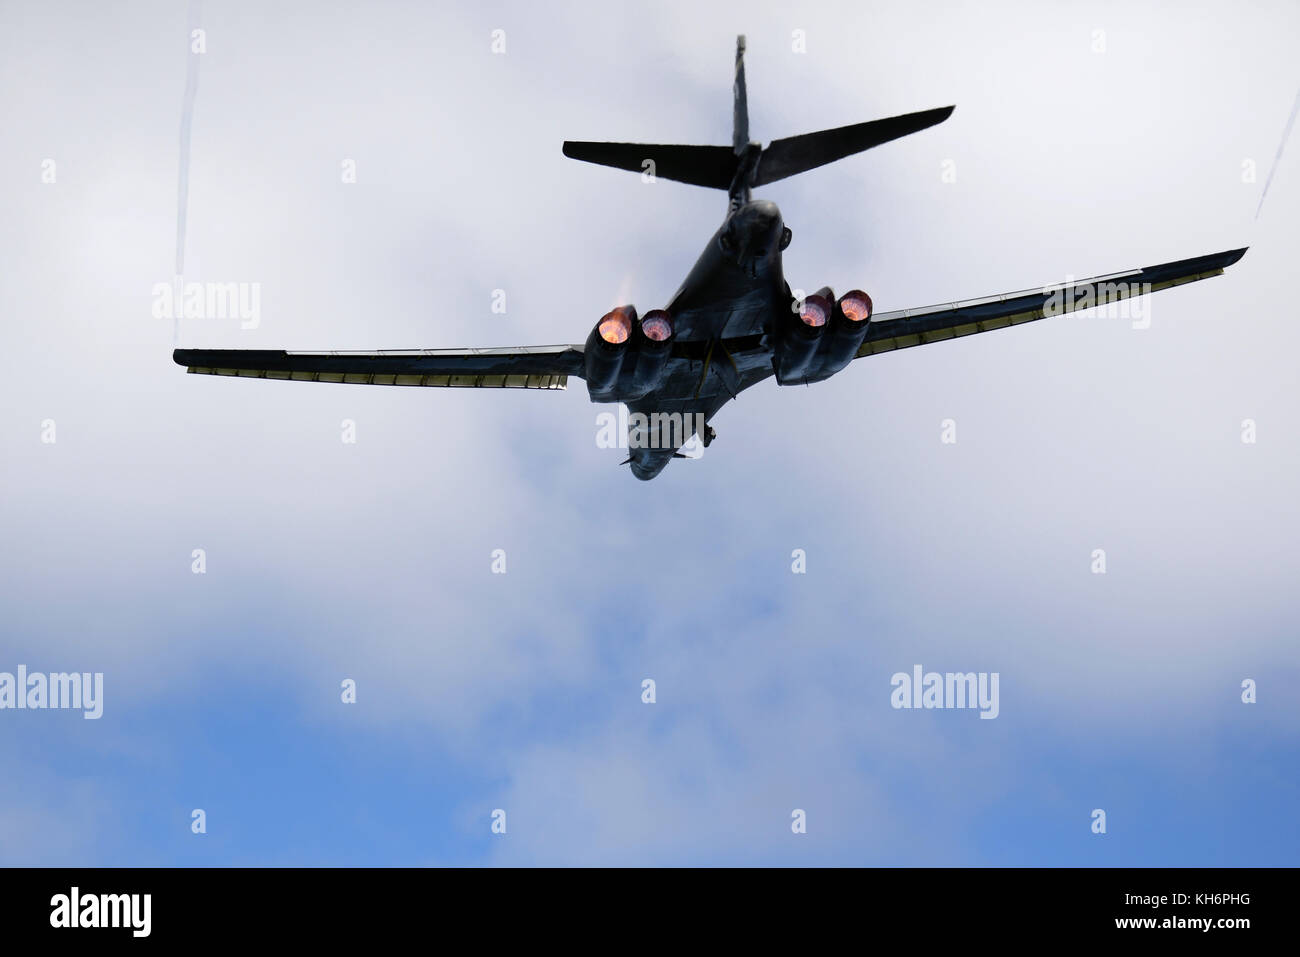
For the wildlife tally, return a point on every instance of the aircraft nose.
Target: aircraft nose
(645, 471)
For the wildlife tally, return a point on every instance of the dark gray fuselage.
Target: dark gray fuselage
(723, 317)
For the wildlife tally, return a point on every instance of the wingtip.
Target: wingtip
(1234, 256)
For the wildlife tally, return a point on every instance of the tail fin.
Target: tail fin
(739, 102)
(717, 166)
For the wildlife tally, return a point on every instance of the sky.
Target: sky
(1087, 139)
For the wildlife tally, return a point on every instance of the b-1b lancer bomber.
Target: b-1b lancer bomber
(733, 323)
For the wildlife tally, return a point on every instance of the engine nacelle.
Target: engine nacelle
(835, 340)
(798, 336)
(654, 345)
(607, 347)
(848, 329)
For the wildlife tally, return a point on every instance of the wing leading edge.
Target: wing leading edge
(914, 327)
(524, 367)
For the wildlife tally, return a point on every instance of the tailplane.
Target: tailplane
(697, 165)
(798, 154)
(743, 165)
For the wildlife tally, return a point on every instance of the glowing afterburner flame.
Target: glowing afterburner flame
(615, 326)
(657, 326)
(856, 305)
(814, 312)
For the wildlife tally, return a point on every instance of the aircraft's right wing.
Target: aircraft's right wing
(916, 327)
(524, 367)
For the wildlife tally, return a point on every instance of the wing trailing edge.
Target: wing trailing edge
(914, 327)
(528, 367)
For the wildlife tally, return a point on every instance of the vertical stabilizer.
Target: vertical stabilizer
(740, 104)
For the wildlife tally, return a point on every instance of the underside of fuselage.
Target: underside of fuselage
(723, 316)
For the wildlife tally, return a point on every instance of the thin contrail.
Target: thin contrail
(1286, 135)
(183, 176)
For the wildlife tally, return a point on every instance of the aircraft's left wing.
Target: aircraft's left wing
(916, 327)
(524, 367)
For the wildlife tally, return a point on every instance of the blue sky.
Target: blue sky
(522, 691)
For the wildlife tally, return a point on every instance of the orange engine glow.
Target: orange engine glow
(814, 312)
(657, 326)
(856, 305)
(615, 326)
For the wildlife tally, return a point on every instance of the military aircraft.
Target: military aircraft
(733, 323)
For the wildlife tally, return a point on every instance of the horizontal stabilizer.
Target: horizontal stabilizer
(798, 154)
(716, 166)
(711, 166)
